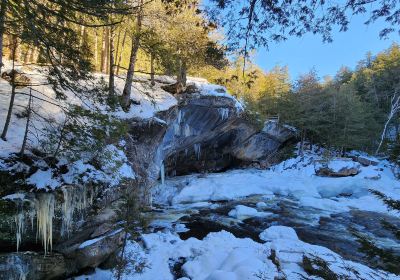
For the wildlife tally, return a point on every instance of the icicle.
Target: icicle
(187, 131)
(162, 173)
(223, 113)
(20, 227)
(44, 205)
(197, 150)
(75, 201)
(180, 117)
(177, 129)
(186, 152)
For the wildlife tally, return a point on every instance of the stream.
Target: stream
(314, 226)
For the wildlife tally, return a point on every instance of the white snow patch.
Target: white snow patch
(43, 179)
(278, 232)
(242, 212)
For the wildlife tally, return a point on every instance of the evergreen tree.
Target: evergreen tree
(384, 258)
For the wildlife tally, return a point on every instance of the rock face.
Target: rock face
(202, 133)
(262, 145)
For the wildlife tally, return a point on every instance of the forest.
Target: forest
(141, 139)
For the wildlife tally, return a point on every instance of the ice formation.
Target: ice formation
(180, 117)
(187, 131)
(223, 113)
(162, 173)
(197, 150)
(75, 201)
(44, 205)
(19, 227)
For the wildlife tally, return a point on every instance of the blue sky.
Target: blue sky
(347, 48)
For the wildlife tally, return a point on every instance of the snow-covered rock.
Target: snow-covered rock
(278, 232)
(243, 212)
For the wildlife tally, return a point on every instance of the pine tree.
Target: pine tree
(384, 258)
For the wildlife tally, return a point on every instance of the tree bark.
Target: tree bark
(181, 78)
(126, 94)
(121, 52)
(28, 119)
(152, 69)
(3, 8)
(10, 107)
(394, 109)
(112, 64)
(103, 63)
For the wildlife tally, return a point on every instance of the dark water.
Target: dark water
(312, 225)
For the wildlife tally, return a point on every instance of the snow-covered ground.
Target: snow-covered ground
(221, 255)
(295, 178)
(50, 111)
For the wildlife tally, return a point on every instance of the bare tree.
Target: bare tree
(394, 109)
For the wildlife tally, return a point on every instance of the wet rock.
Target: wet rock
(366, 161)
(33, 266)
(343, 172)
(338, 167)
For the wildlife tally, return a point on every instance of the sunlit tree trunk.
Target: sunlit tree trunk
(152, 69)
(10, 107)
(103, 64)
(3, 8)
(122, 51)
(112, 64)
(126, 94)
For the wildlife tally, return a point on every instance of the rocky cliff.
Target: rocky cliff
(202, 133)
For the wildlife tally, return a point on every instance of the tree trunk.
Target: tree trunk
(10, 107)
(107, 50)
(121, 52)
(28, 119)
(81, 38)
(3, 8)
(118, 43)
(395, 107)
(27, 55)
(126, 94)
(103, 64)
(33, 56)
(96, 41)
(181, 78)
(112, 64)
(152, 69)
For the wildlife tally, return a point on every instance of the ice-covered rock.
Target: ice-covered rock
(278, 232)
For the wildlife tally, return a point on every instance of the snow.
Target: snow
(114, 168)
(278, 232)
(242, 212)
(208, 89)
(43, 179)
(14, 196)
(337, 164)
(95, 240)
(221, 256)
(294, 177)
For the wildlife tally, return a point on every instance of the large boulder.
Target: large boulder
(338, 167)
